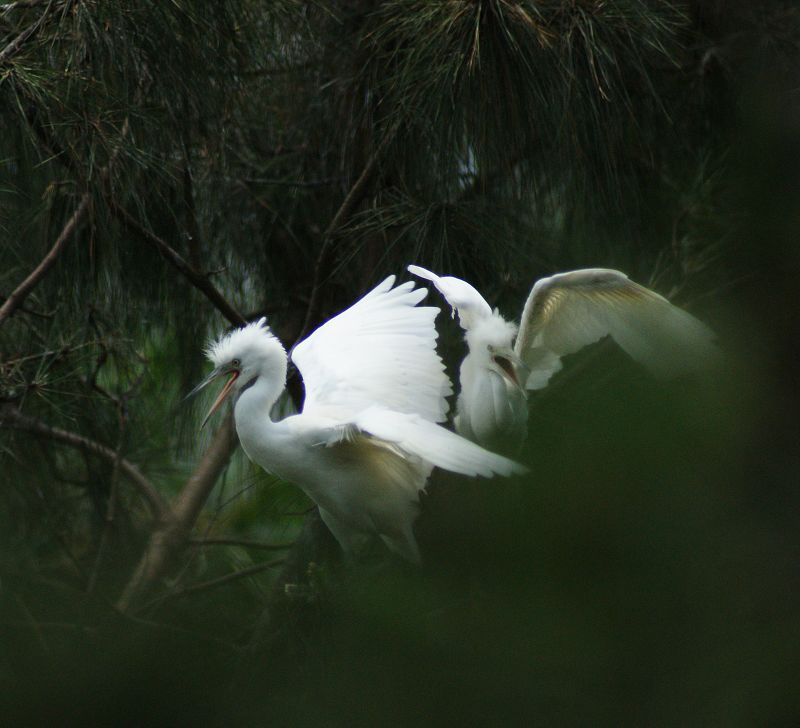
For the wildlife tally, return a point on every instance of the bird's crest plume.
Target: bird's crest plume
(241, 341)
(494, 331)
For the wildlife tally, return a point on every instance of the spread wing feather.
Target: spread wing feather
(380, 351)
(568, 311)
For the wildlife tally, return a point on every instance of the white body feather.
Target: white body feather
(367, 438)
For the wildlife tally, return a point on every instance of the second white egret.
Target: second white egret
(563, 313)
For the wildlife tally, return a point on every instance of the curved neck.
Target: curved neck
(256, 400)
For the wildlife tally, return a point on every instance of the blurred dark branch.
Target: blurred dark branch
(58, 353)
(29, 311)
(291, 183)
(197, 279)
(11, 417)
(247, 543)
(111, 511)
(121, 403)
(211, 583)
(172, 532)
(21, 292)
(191, 208)
(357, 193)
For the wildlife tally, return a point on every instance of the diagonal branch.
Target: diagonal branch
(10, 417)
(170, 536)
(21, 292)
(233, 576)
(15, 45)
(357, 193)
(20, 4)
(197, 279)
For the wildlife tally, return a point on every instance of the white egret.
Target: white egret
(366, 440)
(563, 313)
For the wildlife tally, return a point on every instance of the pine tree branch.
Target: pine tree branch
(197, 279)
(20, 4)
(111, 512)
(16, 45)
(357, 193)
(21, 292)
(29, 311)
(11, 417)
(172, 535)
(172, 532)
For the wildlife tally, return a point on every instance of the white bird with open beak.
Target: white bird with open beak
(563, 313)
(366, 440)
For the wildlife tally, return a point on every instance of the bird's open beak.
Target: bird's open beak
(226, 390)
(509, 363)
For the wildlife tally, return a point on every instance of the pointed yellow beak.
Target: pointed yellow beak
(226, 390)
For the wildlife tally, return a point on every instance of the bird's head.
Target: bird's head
(490, 342)
(244, 355)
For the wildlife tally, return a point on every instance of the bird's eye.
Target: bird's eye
(236, 363)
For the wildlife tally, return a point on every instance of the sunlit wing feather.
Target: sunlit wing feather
(380, 351)
(462, 297)
(568, 311)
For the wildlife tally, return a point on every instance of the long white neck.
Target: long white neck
(256, 401)
(263, 380)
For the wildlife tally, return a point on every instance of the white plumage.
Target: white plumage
(367, 439)
(563, 313)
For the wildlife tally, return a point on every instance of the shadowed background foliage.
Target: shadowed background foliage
(172, 169)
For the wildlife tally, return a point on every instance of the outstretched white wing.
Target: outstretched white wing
(462, 297)
(568, 311)
(380, 351)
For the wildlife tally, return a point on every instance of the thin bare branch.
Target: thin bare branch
(15, 45)
(168, 539)
(247, 543)
(111, 511)
(211, 583)
(30, 311)
(197, 279)
(20, 4)
(21, 292)
(291, 183)
(12, 418)
(354, 197)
